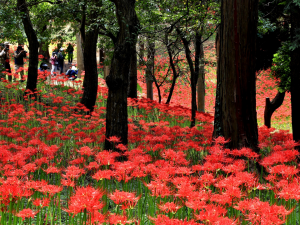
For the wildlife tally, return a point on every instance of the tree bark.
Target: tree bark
(80, 58)
(235, 109)
(33, 46)
(150, 68)
(271, 106)
(201, 82)
(141, 51)
(132, 89)
(175, 74)
(295, 75)
(117, 80)
(194, 70)
(90, 82)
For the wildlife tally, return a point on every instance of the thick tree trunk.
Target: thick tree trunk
(271, 106)
(150, 68)
(201, 82)
(132, 89)
(33, 46)
(80, 58)
(117, 80)
(235, 109)
(295, 74)
(90, 82)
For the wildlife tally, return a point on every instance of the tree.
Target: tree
(90, 34)
(295, 68)
(117, 80)
(33, 45)
(235, 109)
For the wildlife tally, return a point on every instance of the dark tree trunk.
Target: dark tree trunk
(174, 71)
(193, 70)
(90, 82)
(235, 109)
(150, 69)
(271, 106)
(295, 74)
(117, 80)
(157, 87)
(142, 51)
(33, 46)
(132, 89)
(201, 82)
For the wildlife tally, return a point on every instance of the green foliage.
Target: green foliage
(264, 25)
(281, 67)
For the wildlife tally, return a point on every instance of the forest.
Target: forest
(163, 112)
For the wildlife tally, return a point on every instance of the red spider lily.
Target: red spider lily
(164, 220)
(258, 212)
(26, 213)
(103, 174)
(85, 198)
(114, 139)
(106, 157)
(50, 189)
(124, 198)
(118, 219)
(52, 169)
(85, 151)
(73, 172)
(169, 207)
(41, 202)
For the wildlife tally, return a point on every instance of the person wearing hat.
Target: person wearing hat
(43, 67)
(4, 56)
(72, 73)
(19, 56)
(60, 59)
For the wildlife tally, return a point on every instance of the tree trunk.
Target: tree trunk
(80, 59)
(132, 89)
(201, 82)
(142, 51)
(175, 75)
(33, 46)
(117, 80)
(295, 75)
(90, 82)
(150, 68)
(271, 106)
(235, 109)
(194, 71)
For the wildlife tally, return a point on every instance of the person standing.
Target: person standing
(4, 55)
(70, 51)
(60, 58)
(19, 56)
(54, 62)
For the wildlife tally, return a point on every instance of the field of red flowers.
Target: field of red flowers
(54, 169)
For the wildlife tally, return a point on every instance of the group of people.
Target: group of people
(57, 59)
(19, 56)
(57, 62)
